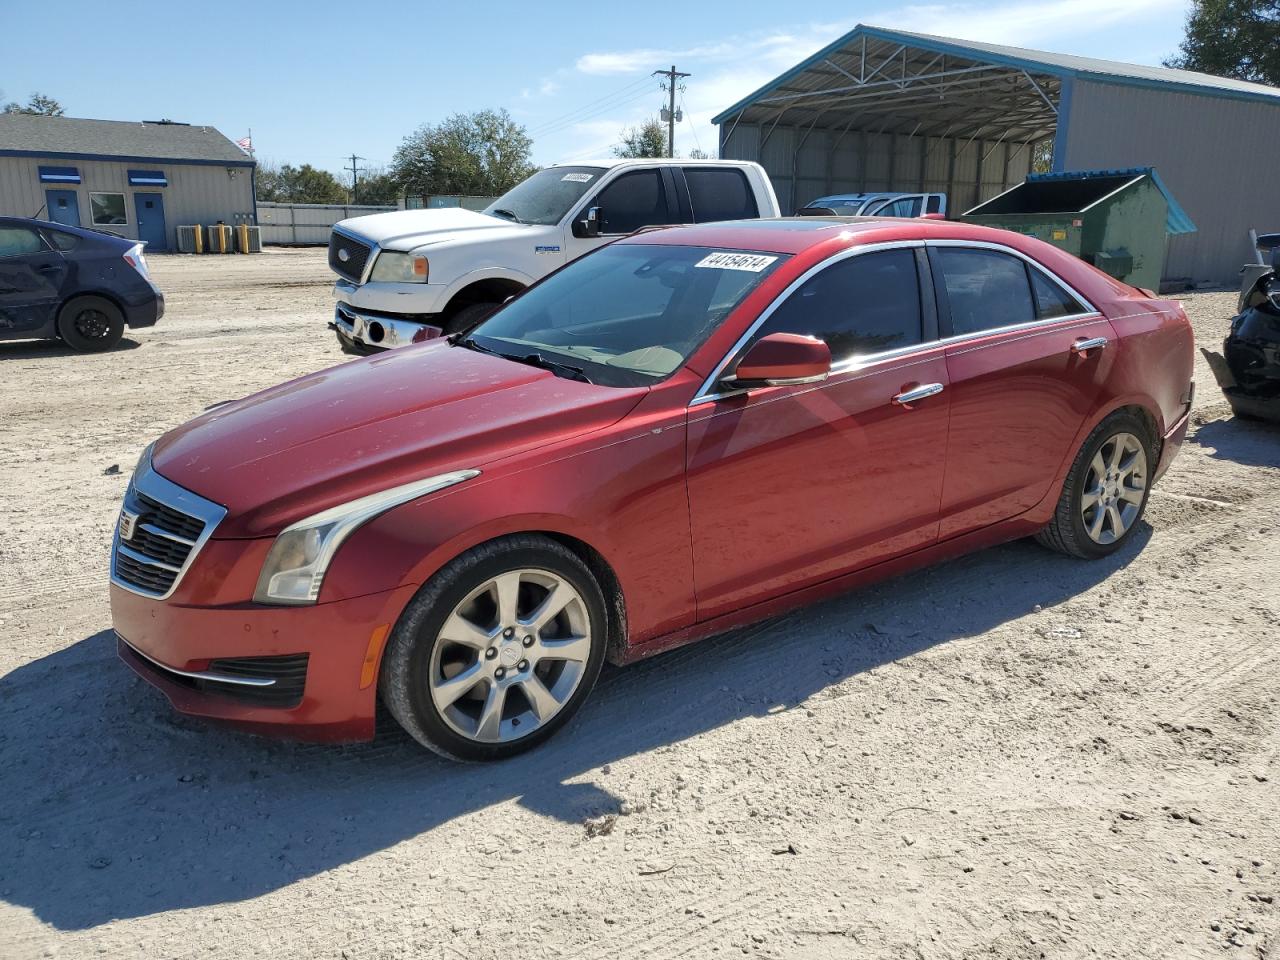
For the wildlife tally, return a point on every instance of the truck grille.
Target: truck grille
(357, 256)
(161, 528)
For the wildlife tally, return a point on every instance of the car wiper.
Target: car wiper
(559, 369)
(471, 343)
(508, 214)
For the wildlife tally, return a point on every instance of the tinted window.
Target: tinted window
(934, 204)
(633, 201)
(63, 241)
(17, 241)
(902, 207)
(864, 304)
(985, 289)
(720, 195)
(630, 313)
(1051, 300)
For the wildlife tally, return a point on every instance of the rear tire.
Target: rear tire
(509, 637)
(1106, 490)
(90, 324)
(468, 317)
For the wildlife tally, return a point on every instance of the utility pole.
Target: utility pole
(355, 179)
(672, 75)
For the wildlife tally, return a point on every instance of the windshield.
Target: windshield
(629, 314)
(546, 196)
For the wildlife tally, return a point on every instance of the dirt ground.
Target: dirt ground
(1013, 755)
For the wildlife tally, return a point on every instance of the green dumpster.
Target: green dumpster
(1117, 220)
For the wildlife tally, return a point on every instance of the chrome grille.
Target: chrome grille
(357, 256)
(162, 527)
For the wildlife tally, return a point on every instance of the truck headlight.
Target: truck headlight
(297, 562)
(399, 268)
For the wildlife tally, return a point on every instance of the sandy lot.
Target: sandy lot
(1013, 755)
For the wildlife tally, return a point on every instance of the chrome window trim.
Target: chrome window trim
(200, 674)
(706, 393)
(147, 481)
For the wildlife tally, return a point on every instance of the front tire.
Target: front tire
(90, 324)
(1105, 493)
(468, 317)
(497, 651)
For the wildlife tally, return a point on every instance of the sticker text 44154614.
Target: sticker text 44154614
(725, 260)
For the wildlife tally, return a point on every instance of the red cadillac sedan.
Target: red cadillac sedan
(685, 431)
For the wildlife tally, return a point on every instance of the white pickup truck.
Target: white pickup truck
(416, 274)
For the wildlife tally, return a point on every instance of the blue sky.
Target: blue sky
(316, 81)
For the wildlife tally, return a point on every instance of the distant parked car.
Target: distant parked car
(67, 283)
(683, 432)
(880, 204)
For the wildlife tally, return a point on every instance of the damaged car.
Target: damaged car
(1248, 369)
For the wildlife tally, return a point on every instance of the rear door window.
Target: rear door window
(634, 200)
(720, 194)
(860, 305)
(1051, 300)
(19, 241)
(985, 289)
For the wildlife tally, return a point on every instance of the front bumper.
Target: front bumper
(380, 331)
(183, 650)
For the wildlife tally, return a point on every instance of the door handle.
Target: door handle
(908, 397)
(1082, 347)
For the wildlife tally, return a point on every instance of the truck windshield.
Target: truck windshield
(627, 315)
(546, 196)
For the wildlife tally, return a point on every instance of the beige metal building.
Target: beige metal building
(887, 110)
(139, 180)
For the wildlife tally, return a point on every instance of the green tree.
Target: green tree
(477, 154)
(647, 140)
(304, 184)
(37, 106)
(1232, 38)
(377, 187)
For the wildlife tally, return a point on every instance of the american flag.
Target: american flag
(245, 144)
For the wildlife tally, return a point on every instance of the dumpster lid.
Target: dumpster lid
(1178, 220)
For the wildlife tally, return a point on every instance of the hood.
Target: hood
(310, 444)
(409, 229)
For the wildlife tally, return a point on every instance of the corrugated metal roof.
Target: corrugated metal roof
(1178, 221)
(115, 138)
(1039, 61)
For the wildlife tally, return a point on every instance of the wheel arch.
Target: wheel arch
(108, 295)
(483, 287)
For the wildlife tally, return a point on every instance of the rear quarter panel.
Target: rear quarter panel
(1154, 359)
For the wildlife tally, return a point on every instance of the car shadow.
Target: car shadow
(1253, 443)
(115, 807)
(37, 349)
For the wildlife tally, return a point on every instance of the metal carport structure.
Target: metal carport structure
(886, 109)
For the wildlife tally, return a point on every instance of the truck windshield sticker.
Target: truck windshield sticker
(751, 262)
(577, 177)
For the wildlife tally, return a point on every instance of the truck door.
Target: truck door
(633, 199)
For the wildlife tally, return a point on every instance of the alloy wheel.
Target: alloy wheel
(92, 324)
(1114, 488)
(510, 656)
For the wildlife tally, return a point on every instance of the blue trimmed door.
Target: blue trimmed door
(150, 210)
(63, 207)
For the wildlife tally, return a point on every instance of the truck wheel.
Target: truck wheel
(1106, 490)
(468, 317)
(497, 651)
(90, 324)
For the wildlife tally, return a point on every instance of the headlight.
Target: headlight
(295, 567)
(399, 268)
(143, 461)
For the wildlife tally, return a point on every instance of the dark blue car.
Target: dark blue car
(79, 286)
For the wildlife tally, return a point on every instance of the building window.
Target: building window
(108, 209)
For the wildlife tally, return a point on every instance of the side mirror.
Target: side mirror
(782, 359)
(590, 227)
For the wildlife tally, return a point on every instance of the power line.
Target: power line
(589, 106)
(593, 114)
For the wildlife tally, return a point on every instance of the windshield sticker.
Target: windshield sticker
(578, 177)
(751, 262)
